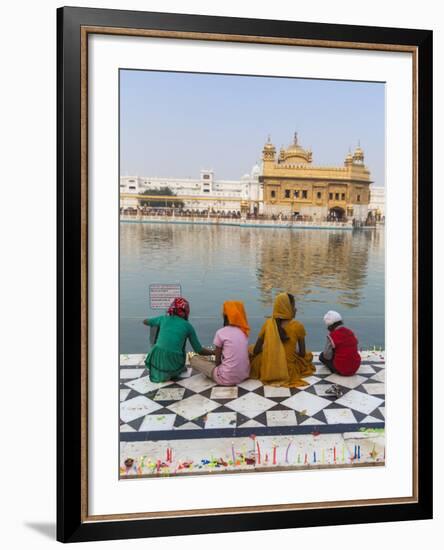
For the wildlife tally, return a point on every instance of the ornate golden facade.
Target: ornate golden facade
(292, 185)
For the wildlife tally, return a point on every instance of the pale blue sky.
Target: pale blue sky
(175, 124)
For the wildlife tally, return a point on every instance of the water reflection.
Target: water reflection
(307, 263)
(324, 269)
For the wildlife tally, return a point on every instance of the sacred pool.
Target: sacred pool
(324, 269)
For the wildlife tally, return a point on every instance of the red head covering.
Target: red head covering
(179, 307)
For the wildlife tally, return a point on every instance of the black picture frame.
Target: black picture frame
(72, 524)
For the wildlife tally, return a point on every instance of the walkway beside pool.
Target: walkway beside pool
(196, 423)
(242, 222)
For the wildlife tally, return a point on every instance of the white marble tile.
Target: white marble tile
(124, 394)
(127, 374)
(368, 355)
(322, 369)
(224, 392)
(276, 391)
(169, 394)
(377, 388)
(125, 428)
(281, 418)
(251, 404)
(144, 385)
(371, 419)
(305, 401)
(366, 369)
(133, 359)
(187, 373)
(197, 383)
(189, 426)
(250, 384)
(359, 401)
(137, 407)
(378, 377)
(193, 407)
(310, 381)
(153, 422)
(339, 416)
(346, 381)
(252, 424)
(221, 420)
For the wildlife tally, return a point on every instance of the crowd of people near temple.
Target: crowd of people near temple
(279, 356)
(221, 214)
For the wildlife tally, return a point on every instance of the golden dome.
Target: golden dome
(358, 154)
(295, 154)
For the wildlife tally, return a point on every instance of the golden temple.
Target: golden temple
(292, 185)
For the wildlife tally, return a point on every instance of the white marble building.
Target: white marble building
(377, 201)
(209, 193)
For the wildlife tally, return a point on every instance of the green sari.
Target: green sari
(166, 359)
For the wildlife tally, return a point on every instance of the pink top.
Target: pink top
(235, 366)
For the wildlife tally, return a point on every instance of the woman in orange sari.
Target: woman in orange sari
(279, 357)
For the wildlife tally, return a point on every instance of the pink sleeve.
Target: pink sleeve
(218, 340)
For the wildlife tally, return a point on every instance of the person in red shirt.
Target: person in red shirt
(340, 354)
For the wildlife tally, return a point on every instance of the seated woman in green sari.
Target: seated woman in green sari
(166, 359)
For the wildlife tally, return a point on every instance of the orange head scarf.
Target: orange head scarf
(235, 313)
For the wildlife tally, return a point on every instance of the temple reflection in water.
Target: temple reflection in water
(311, 264)
(324, 269)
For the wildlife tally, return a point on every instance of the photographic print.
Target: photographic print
(251, 274)
(243, 207)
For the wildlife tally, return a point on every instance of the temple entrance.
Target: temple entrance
(336, 214)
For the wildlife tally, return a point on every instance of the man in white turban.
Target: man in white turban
(332, 317)
(340, 353)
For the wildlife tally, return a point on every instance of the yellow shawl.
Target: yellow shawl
(271, 364)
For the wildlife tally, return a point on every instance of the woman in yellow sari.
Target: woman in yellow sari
(279, 357)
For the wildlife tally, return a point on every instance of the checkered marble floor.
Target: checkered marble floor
(196, 407)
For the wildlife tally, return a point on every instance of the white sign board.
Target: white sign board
(161, 295)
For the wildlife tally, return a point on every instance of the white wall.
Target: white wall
(27, 290)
